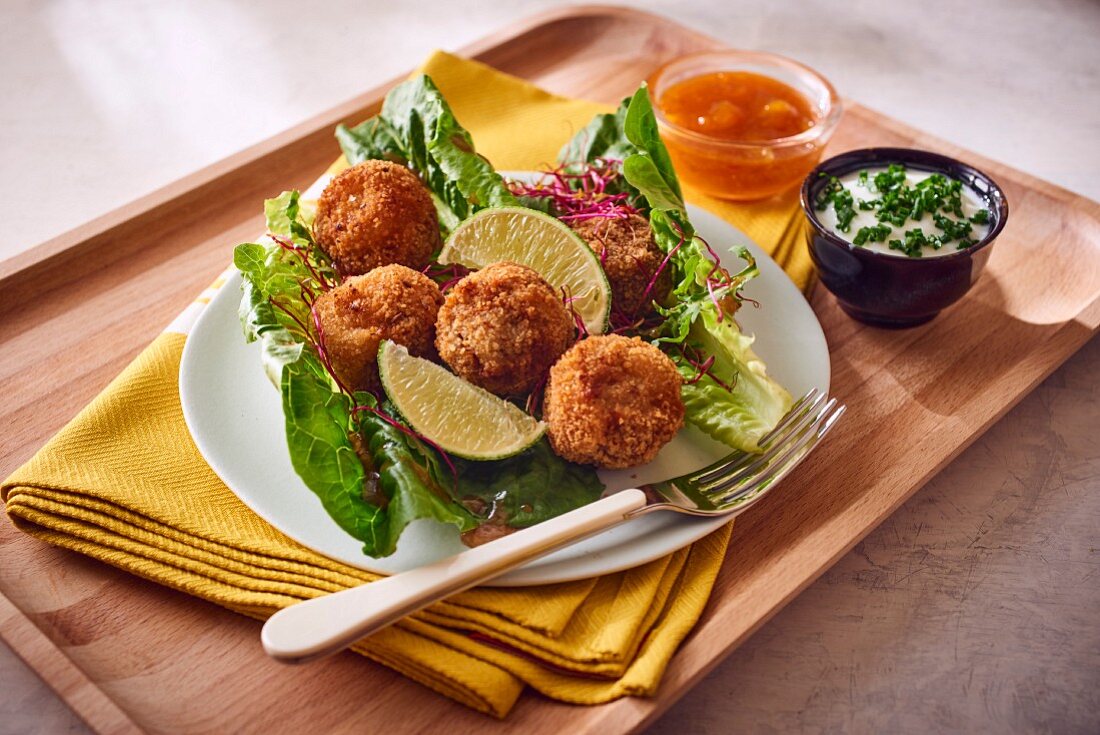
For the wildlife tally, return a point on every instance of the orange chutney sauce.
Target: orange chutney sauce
(738, 107)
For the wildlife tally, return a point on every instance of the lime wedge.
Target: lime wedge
(458, 416)
(541, 242)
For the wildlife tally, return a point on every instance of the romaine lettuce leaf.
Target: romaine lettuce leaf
(409, 475)
(318, 430)
(416, 127)
(283, 217)
(739, 417)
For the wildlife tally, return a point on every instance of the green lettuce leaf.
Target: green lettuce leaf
(411, 478)
(284, 217)
(601, 138)
(403, 482)
(417, 128)
(742, 416)
(604, 138)
(526, 489)
(369, 140)
(640, 128)
(318, 430)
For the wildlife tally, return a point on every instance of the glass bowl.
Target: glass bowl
(730, 169)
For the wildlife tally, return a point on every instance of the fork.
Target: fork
(324, 625)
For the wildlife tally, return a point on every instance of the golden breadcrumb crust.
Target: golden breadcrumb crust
(391, 302)
(612, 401)
(502, 328)
(630, 257)
(373, 214)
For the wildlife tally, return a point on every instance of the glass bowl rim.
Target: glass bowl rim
(822, 130)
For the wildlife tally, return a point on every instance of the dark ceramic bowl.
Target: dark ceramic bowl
(895, 290)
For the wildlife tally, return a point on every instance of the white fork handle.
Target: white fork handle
(325, 625)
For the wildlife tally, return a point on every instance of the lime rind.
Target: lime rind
(456, 415)
(541, 242)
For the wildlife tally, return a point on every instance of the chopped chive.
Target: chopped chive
(898, 203)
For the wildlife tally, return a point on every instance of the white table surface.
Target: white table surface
(103, 102)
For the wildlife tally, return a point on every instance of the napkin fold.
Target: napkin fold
(124, 483)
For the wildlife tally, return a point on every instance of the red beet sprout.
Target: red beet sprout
(579, 191)
(301, 325)
(303, 253)
(646, 295)
(445, 275)
(534, 400)
(568, 299)
(322, 351)
(622, 322)
(703, 366)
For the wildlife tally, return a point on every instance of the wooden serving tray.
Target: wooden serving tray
(129, 655)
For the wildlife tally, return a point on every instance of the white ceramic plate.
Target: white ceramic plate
(235, 417)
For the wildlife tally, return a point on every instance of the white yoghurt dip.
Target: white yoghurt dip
(865, 191)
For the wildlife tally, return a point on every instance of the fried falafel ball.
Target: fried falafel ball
(630, 257)
(373, 214)
(612, 402)
(502, 328)
(391, 302)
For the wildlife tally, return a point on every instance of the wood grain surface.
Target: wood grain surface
(916, 398)
(972, 608)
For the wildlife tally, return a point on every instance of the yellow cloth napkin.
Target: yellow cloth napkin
(124, 483)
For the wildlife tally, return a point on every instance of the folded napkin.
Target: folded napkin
(124, 483)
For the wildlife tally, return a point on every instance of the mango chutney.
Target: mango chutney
(743, 125)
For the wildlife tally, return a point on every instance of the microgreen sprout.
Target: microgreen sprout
(304, 253)
(534, 399)
(568, 299)
(446, 276)
(322, 351)
(581, 191)
(703, 365)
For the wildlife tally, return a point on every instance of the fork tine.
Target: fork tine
(806, 402)
(737, 470)
(789, 458)
(775, 472)
(780, 449)
(739, 459)
(779, 454)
